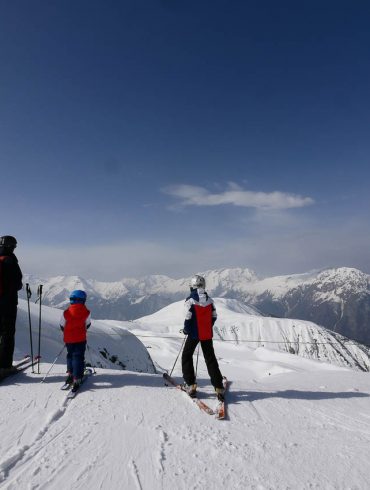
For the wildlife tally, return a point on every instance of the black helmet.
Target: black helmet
(8, 241)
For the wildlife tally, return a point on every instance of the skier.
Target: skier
(10, 284)
(200, 316)
(74, 323)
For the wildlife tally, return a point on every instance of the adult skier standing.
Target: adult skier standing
(10, 284)
(74, 323)
(200, 316)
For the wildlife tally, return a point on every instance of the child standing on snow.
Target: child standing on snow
(74, 323)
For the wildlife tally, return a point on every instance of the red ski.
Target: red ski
(221, 407)
(203, 406)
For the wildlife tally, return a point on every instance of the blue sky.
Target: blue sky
(141, 137)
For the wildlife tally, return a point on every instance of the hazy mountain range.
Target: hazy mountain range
(338, 299)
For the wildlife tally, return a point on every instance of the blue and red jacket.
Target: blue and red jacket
(74, 322)
(200, 315)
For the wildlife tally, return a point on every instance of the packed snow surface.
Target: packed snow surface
(292, 423)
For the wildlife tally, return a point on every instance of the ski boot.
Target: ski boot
(69, 379)
(76, 384)
(220, 392)
(8, 370)
(191, 390)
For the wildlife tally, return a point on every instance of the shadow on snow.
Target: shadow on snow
(252, 396)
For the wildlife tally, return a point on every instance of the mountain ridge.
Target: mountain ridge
(336, 298)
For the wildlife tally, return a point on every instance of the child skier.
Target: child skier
(200, 315)
(74, 323)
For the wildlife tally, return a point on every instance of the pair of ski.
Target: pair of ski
(219, 411)
(72, 391)
(18, 367)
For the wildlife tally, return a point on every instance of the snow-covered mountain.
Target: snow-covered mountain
(338, 299)
(242, 325)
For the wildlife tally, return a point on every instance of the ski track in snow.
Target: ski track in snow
(28, 452)
(135, 474)
(46, 466)
(287, 430)
(39, 453)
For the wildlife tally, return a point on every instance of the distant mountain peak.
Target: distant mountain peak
(337, 298)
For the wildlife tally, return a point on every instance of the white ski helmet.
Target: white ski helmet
(197, 282)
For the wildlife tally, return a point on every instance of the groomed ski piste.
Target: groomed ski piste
(293, 422)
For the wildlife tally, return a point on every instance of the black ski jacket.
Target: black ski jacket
(10, 278)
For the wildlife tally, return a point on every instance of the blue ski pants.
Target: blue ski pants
(76, 359)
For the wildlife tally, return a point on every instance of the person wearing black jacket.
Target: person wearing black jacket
(200, 315)
(10, 284)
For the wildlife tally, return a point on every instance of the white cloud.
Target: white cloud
(237, 196)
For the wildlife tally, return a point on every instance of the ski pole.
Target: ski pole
(182, 345)
(89, 352)
(39, 297)
(51, 367)
(29, 294)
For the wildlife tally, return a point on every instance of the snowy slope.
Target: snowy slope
(293, 423)
(243, 325)
(108, 347)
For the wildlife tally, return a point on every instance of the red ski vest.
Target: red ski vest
(75, 326)
(204, 321)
